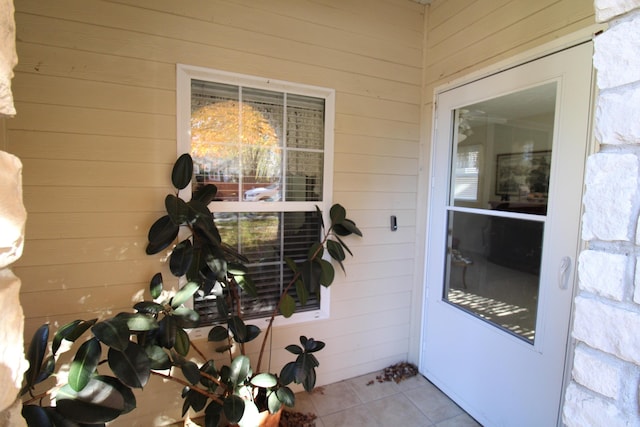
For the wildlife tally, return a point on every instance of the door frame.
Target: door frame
(426, 179)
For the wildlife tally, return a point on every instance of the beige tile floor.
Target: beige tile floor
(414, 402)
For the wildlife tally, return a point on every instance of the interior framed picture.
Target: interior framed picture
(523, 173)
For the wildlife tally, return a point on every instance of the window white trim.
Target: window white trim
(184, 75)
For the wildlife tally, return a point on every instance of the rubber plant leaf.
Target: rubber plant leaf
(158, 358)
(273, 403)
(155, 285)
(191, 372)
(337, 214)
(237, 328)
(327, 272)
(247, 284)
(287, 305)
(302, 293)
(36, 416)
(61, 334)
(335, 250)
(98, 402)
(182, 171)
(186, 317)
(310, 380)
(181, 258)
(177, 209)
(208, 368)
(161, 234)
(264, 380)
(148, 307)
(80, 329)
(184, 294)
(218, 333)
(240, 369)
(167, 332)
(137, 322)
(194, 400)
(126, 392)
(35, 354)
(113, 332)
(84, 364)
(48, 366)
(347, 227)
(132, 366)
(205, 194)
(286, 396)
(233, 408)
(182, 342)
(344, 245)
(212, 414)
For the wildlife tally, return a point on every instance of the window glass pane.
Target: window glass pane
(266, 239)
(304, 176)
(305, 122)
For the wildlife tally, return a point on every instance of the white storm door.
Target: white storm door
(503, 237)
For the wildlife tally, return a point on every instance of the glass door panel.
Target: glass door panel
(497, 208)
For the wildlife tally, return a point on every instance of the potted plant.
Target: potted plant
(153, 339)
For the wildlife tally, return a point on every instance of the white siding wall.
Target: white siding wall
(96, 129)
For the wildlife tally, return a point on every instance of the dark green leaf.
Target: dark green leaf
(132, 366)
(311, 346)
(344, 245)
(36, 416)
(295, 349)
(237, 328)
(167, 332)
(223, 348)
(158, 358)
(337, 214)
(221, 306)
(195, 400)
(319, 213)
(327, 272)
(182, 342)
(182, 171)
(212, 414)
(286, 396)
(35, 354)
(346, 228)
(98, 402)
(310, 275)
(138, 322)
(161, 234)
(240, 369)
(177, 209)
(186, 318)
(335, 250)
(310, 380)
(155, 286)
(205, 194)
(61, 334)
(181, 258)
(208, 368)
(292, 264)
(148, 307)
(113, 332)
(315, 251)
(218, 333)
(126, 392)
(233, 407)
(301, 291)
(237, 269)
(80, 329)
(47, 369)
(288, 373)
(252, 333)
(247, 284)
(273, 403)
(84, 364)
(264, 380)
(191, 372)
(184, 294)
(287, 306)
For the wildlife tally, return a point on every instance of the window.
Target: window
(267, 145)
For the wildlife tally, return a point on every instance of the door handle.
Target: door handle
(563, 272)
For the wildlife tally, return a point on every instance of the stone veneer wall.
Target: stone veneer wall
(12, 223)
(604, 387)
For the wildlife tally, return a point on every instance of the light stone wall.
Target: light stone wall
(604, 387)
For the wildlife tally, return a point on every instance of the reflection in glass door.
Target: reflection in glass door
(497, 207)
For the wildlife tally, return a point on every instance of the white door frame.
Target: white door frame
(426, 170)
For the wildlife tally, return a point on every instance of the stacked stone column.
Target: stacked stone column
(605, 376)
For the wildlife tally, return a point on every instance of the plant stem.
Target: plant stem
(211, 396)
(284, 293)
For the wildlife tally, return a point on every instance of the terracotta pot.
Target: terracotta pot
(270, 420)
